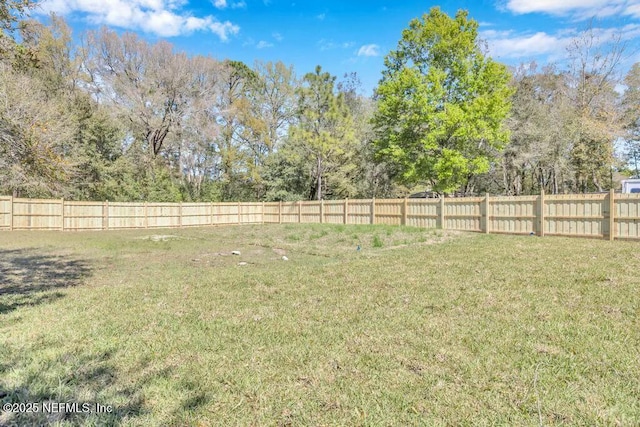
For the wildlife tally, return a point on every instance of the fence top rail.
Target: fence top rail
(499, 199)
(552, 197)
(38, 201)
(463, 199)
(357, 201)
(83, 203)
(421, 201)
(228, 203)
(194, 205)
(390, 201)
(627, 196)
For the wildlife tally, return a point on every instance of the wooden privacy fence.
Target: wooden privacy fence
(612, 216)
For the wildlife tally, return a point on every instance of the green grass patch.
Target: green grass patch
(431, 328)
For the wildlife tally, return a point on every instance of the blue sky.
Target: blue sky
(351, 36)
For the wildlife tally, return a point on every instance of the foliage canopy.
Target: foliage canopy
(442, 103)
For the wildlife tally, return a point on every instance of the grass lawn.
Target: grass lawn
(418, 327)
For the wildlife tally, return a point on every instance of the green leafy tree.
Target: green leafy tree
(442, 103)
(233, 144)
(323, 137)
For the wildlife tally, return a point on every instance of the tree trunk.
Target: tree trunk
(319, 180)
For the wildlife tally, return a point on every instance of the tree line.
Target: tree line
(114, 117)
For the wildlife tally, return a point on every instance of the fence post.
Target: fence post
(180, 215)
(541, 218)
(405, 211)
(239, 213)
(280, 212)
(263, 212)
(11, 213)
(211, 213)
(373, 211)
(146, 216)
(346, 211)
(299, 203)
(443, 224)
(487, 222)
(62, 213)
(612, 214)
(321, 211)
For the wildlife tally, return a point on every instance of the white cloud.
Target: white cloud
(506, 44)
(278, 36)
(369, 50)
(579, 9)
(164, 18)
(634, 10)
(223, 4)
(321, 16)
(263, 44)
(223, 29)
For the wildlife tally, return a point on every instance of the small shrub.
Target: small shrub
(377, 241)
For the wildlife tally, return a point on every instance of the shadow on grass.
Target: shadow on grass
(92, 393)
(28, 277)
(88, 384)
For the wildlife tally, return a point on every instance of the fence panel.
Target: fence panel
(289, 212)
(271, 212)
(251, 213)
(37, 214)
(423, 212)
(359, 211)
(389, 211)
(225, 213)
(80, 216)
(160, 215)
(513, 215)
(5, 213)
(310, 212)
(463, 213)
(195, 214)
(126, 215)
(627, 216)
(334, 211)
(576, 215)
